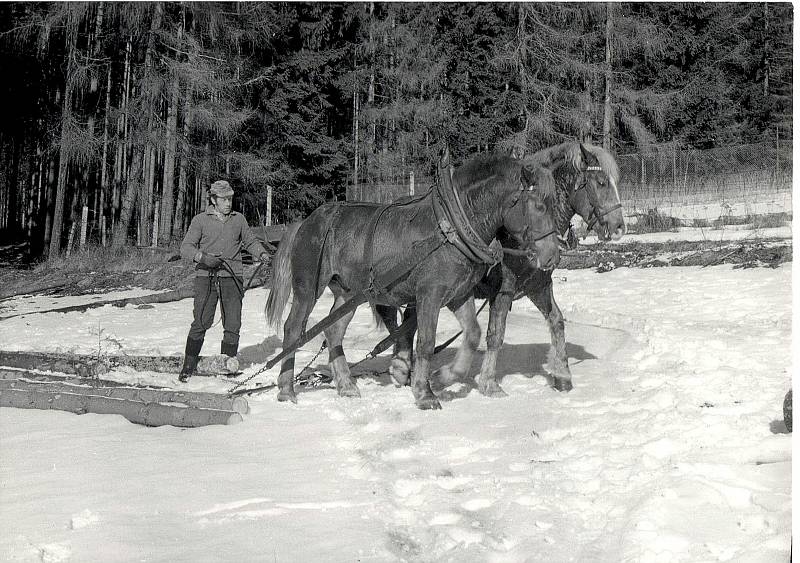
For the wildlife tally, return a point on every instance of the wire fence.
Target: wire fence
(688, 184)
(707, 184)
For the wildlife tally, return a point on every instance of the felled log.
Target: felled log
(191, 399)
(86, 365)
(148, 414)
(7, 374)
(28, 287)
(164, 297)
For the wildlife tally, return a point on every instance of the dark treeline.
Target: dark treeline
(132, 109)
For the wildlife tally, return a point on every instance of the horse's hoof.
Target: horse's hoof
(284, 396)
(350, 391)
(429, 404)
(492, 389)
(562, 384)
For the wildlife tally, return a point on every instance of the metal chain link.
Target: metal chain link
(242, 383)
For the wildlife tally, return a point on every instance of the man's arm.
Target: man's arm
(190, 247)
(250, 242)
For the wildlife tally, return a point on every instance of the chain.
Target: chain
(242, 383)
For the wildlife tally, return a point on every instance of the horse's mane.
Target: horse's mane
(571, 153)
(477, 169)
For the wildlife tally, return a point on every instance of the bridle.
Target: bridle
(596, 215)
(537, 237)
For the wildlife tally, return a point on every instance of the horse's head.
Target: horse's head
(596, 199)
(529, 216)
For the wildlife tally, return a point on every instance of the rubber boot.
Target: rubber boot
(191, 357)
(189, 368)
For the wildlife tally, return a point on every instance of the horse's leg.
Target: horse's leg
(302, 304)
(428, 305)
(499, 306)
(467, 318)
(388, 315)
(402, 357)
(334, 334)
(542, 297)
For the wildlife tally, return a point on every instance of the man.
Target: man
(214, 243)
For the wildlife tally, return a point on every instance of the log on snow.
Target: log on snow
(32, 287)
(83, 366)
(192, 399)
(6, 374)
(148, 414)
(86, 365)
(164, 297)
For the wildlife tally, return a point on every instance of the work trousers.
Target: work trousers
(207, 291)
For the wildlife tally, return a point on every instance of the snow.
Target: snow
(730, 233)
(671, 446)
(691, 205)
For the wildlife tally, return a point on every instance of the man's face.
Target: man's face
(224, 204)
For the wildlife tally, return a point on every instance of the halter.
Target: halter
(552, 231)
(596, 215)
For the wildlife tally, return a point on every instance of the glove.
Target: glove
(210, 261)
(264, 257)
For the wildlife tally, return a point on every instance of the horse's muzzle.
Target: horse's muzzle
(613, 228)
(548, 253)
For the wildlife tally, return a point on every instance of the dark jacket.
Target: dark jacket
(226, 239)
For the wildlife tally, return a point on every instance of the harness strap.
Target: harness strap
(457, 230)
(369, 240)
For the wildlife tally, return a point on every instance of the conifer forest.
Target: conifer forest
(131, 109)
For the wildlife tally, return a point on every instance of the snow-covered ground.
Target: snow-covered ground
(671, 446)
(730, 233)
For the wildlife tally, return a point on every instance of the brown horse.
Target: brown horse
(350, 248)
(586, 179)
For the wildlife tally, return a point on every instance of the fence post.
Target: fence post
(268, 218)
(84, 220)
(777, 157)
(642, 178)
(411, 183)
(674, 164)
(156, 218)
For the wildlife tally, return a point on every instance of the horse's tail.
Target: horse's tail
(281, 283)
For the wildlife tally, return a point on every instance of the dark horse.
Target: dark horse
(348, 247)
(586, 179)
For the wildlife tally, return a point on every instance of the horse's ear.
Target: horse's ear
(589, 158)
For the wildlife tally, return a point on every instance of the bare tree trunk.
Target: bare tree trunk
(169, 164)
(766, 49)
(607, 110)
(180, 205)
(66, 117)
(104, 163)
(146, 201)
(128, 202)
(49, 196)
(146, 197)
